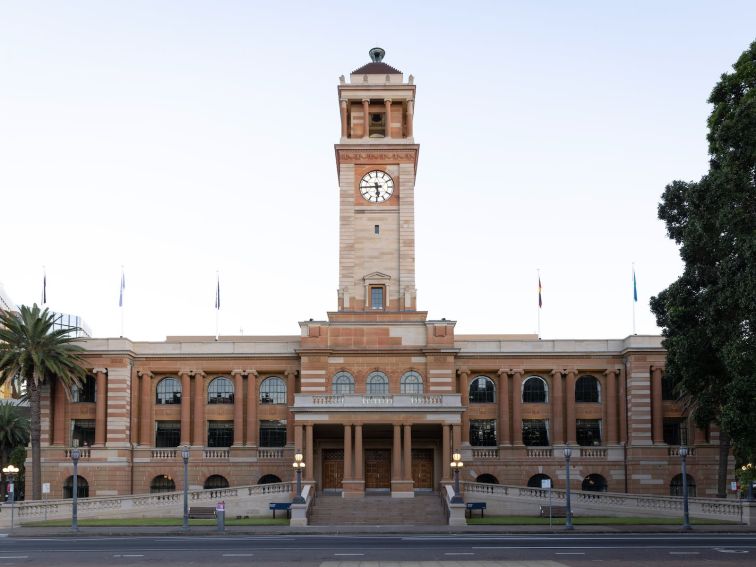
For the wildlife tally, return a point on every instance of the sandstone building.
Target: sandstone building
(377, 396)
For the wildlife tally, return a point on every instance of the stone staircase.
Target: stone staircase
(424, 509)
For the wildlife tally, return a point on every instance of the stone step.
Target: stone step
(424, 509)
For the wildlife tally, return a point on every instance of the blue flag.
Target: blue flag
(123, 286)
(217, 294)
(635, 287)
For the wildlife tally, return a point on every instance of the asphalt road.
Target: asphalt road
(670, 550)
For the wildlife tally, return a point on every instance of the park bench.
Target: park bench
(556, 512)
(280, 506)
(202, 512)
(470, 506)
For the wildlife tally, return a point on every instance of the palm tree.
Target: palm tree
(33, 350)
(14, 430)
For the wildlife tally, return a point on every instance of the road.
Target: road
(670, 550)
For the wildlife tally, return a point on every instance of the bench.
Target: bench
(202, 512)
(556, 512)
(280, 506)
(470, 506)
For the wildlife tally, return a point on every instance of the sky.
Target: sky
(184, 139)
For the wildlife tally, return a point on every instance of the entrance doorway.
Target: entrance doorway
(377, 469)
(422, 469)
(333, 469)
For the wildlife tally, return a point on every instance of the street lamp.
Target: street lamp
(185, 456)
(686, 522)
(298, 465)
(748, 478)
(10, 472)
(568, 520)
(456, 466)
(75, 456)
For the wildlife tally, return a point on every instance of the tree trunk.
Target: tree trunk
(36, 436)
(724, 459)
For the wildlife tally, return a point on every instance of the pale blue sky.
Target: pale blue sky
(178, 138)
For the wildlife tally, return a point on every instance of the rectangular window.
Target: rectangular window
(535, 432)
(85, 392)
(82, 432)
(675, 431)
(220, 433)
(483, 432)
(167, 433)
(377, 229)
(588, 432)
(376, 297)
(273, 433)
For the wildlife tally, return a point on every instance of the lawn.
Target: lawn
(586, 521)
(147, 522)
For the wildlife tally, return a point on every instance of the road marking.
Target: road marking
(14, 557)
(238, 554)
(685, 553)
(731, 550)
(348, 554)
(570, 553)
(460, 553)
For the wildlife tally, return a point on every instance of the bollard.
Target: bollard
(220, 515)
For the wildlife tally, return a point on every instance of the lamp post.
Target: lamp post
(686, 522)
(456, 466)
(568, 520)
(298, 465)
(10, 472)
(748, 477)
(185, 456)
(75, 455)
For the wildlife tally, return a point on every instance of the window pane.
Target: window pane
(220, 433)
(376, 298)
(534, 390)
(535, 432)
(377, 384)
(167, 434)
(273, 391)
(85, 392)
(220, 391)
(482, 432)
(588, 432)
(482, 390)
(273, 433)
(82, 432)
(675, 431)
(343, 383)
(587, 389)
(412, 383)
(168, 391)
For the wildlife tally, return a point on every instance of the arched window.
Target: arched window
(534, 390)
(487, 479)
(587, 389)
(162, 483)
(594, 483)
(676, 486)
(482, 390)
(536, 481)
(81, 483)
(268, 479)
(343, 383)
(168, 391)
(273, 391)
(412, 383)
(377, 384)
(215, 481)
(220, 391)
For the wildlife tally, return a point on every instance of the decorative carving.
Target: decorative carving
(370, 157)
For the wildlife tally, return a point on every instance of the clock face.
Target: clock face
(376, 186)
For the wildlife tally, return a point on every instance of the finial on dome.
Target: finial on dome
(377, 54)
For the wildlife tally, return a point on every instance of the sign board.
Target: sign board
(10, 488)
(546, 483)
(220, 506)
(45, 488)
(734, 486)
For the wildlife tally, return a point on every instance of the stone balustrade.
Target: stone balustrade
(162, 454)
(539, 452)
(216, 454)
(361, 401)
(270, 453)
(592, 453)
(83, 453)
(675, 451)
(485, 453)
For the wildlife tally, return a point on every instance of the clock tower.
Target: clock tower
(376, 160)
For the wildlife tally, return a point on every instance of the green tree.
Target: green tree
(708, 315)
(14, 430)
(31, 348)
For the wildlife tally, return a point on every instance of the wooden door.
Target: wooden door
(333, 468)
(422, 468)
(378, 468)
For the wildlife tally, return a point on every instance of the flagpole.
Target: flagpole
(539, 302)
(217, 304)
(635, 298)
(44, 286)
(120, 299)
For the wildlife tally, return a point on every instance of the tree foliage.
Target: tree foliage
(708, 315)
(14, 430)
(31, 348)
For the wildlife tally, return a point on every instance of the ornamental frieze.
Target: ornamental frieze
(377, 156)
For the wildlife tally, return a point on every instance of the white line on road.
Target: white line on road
(570, 553)
(348, 554)
(14, 557)
(685, 553)
(238, 554)
(460, 553)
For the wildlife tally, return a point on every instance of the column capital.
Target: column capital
(251, 372)
(344, 101)
(238, 372)
(516, 371)
(463, 372)
(609, 371)
(99, 370)
(557, 371)
(290, 373)
(503, 371)
(145, 373)
(364, 100)
(198, 373)
(387, 100)
(568, 371)
(185, 372)
(655, 368)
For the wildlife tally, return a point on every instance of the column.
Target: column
(445, 452)
(557, 408)
(59, 414)
(238, 408)
(290, 389)
(407, 452)
(505, 437)
(145, 433)
(366, 117)
(388, 117)
(347, 452)
(570, 402)
(456, 438)
(252, 427)
(299, 438)
(200, 427)
(622, 409)
(410, 116)
(516, 406)
(186, 408)
(610, 407)
(344, 131)
(464, 390)
(101, 397)
(657, 407)
(309, 453)
(359, 457)
(396, 454)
